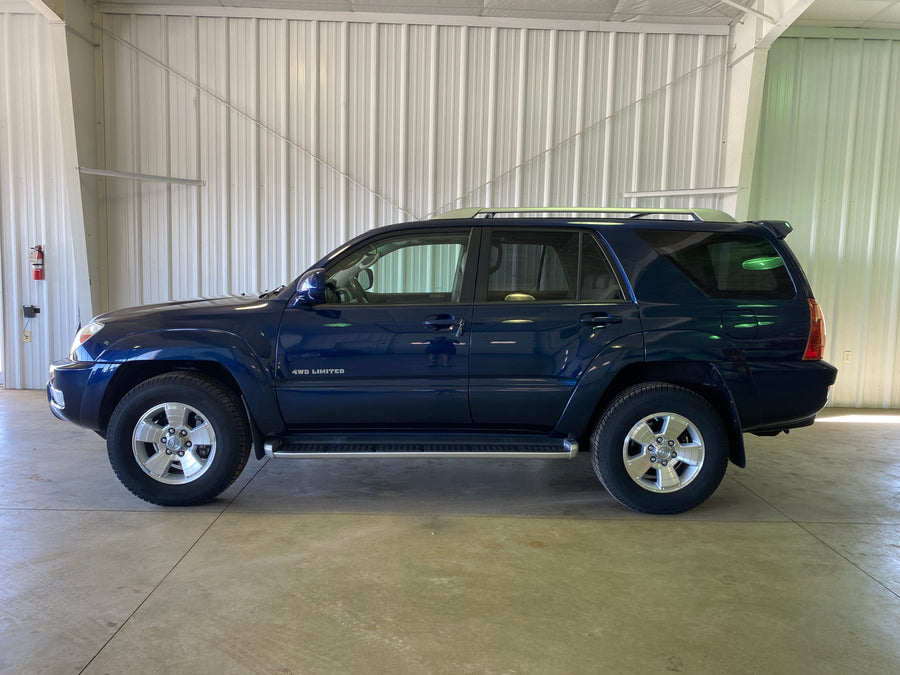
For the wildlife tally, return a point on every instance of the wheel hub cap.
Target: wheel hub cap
(174, 443)
(663, 452)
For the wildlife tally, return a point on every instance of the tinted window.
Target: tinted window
(597, 279)
(539, 265)
(724, 265)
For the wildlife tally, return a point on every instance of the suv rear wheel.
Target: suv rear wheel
(178, 439)
(660, 448)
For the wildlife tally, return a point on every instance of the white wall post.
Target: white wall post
(749, 44)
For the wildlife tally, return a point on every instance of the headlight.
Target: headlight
(83, 336)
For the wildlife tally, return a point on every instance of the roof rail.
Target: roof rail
(701, 215)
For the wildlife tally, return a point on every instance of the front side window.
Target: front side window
(548, 266)
(725, 265)
(403, 269)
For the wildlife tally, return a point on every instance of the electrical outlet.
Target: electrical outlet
(848, 357)
(26, 336)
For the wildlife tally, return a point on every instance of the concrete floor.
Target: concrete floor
(450, 566)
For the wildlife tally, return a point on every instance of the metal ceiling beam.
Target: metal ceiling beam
(141, 8)
(748, 10)
(45, 11)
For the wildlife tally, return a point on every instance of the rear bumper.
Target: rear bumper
(778, 428)
(783, 395)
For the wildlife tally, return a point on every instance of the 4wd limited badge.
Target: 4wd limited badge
(318, 371)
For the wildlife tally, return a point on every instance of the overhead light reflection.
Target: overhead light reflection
(861, 418)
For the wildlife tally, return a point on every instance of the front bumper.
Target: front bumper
(75, 391)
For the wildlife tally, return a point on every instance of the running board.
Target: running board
(420, 445)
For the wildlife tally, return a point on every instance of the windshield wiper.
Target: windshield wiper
(265, 295)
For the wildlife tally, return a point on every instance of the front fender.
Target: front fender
(194, 347)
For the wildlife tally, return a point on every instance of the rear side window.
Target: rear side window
(725, 265)
(549, 266)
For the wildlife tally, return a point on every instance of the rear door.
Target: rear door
(547, 303)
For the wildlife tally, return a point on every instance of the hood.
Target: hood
(140, 332)
(178, 305)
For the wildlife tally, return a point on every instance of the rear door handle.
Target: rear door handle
(599, 319)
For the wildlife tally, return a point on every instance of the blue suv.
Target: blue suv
(655, 337)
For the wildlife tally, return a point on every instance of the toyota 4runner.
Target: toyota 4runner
(655, 337)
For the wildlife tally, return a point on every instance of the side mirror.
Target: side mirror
(310, 288)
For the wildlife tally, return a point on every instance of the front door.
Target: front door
(390, 346)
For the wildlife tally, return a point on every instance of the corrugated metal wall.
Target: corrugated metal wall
(829, 161)
(33, 206)
(310, 131)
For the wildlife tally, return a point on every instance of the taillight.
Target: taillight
(815, 345)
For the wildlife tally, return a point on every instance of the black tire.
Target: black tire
(206, 453)
(671, 476)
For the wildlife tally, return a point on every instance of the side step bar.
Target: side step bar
(420, 445)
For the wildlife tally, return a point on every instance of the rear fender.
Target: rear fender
(702, 378)
(706, 380)
(729, 413)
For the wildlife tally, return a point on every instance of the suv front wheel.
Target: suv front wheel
(660, 448)
(178, 439)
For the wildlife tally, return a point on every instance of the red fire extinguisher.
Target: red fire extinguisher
(36, 258)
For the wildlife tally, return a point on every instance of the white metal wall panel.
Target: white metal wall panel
(33, 206)
(182, 148)
(123, 198)
(829, 161)
(212, 152)
(243, 153)
(307, 132)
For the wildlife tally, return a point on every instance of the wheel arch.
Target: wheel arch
(703, 379)
(130, 374)
(208, 418)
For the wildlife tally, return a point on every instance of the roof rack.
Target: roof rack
(700, 215)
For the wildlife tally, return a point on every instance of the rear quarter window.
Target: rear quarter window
(724, 265)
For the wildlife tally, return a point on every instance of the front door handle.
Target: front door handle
(441, 322)
(599, 319)
(459, 327)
